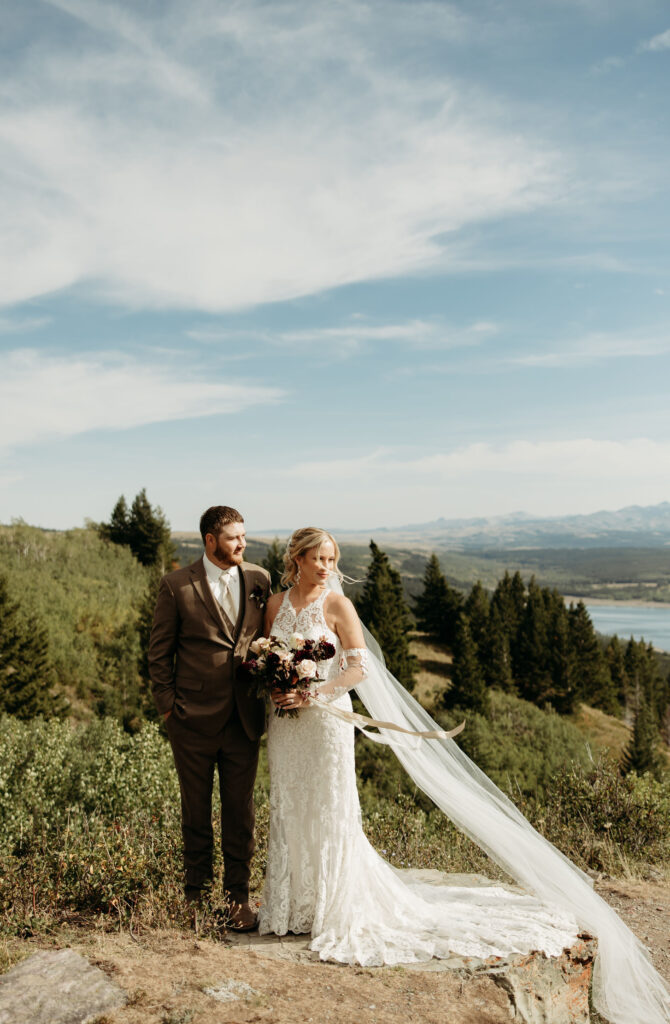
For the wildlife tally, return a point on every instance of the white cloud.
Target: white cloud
(349, 338)
(244, 155)
(43, 397)
(580, 457)
(22, 325)
(594, 348)
(658, 42)
(544, 477)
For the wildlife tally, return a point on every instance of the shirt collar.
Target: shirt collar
(214, 572)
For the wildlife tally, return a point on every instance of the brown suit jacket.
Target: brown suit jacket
(195, 650)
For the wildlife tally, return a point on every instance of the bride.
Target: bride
(323, 876)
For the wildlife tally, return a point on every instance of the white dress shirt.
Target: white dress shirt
(222, 580)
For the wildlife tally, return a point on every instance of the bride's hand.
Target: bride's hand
(293, 700)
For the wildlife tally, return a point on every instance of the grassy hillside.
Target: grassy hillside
(87, 593)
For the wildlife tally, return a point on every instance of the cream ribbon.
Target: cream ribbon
(361, 721)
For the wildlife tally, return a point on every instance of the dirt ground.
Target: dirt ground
(166, 974)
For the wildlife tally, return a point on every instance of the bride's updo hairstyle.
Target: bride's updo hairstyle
(299, 543)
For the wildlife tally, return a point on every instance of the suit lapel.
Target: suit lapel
(242, 610)
(203, 590)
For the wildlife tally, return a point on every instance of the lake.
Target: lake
(626, 620)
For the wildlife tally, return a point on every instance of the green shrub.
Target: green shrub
(604, 820)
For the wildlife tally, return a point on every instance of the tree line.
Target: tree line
(520, 639)
(524, 640)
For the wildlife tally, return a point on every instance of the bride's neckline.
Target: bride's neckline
(298, 611)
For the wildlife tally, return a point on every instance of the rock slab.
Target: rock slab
(56, 987)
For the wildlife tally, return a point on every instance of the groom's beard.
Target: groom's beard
(226, 557)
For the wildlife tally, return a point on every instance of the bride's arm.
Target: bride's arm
(354, 661)
(271, 609)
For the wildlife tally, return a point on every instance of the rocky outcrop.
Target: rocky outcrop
(56, 987)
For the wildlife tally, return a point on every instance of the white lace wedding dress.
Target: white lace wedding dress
(323, 876)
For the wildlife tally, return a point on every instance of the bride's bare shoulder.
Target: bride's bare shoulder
(340, 606)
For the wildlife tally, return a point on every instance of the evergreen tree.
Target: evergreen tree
(561, 658)
(614, 656)
(644, 676)
(642, 753)
(117, 530)
(595, 681)
(26, 674)
(531, 661)
(437, 607)
(497, 662)
(477, 610)
(382, 608)
(274, 563)
(149, 533)
(144, 529)
(468, 688)
(509, 600)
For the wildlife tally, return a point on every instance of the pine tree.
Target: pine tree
(614, 656)
(595, 681)
(642, 753)
(383, 609)
(26, 674)
(149, 533)
(477, 608)
(509, 599)
(144, 529)
(274, 563)
(561, 659)
(644, 676)
(438, 606)
(497, 661)
(531, 661)
(117, 530)
(468, 688)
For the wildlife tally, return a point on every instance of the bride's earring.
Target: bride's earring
(297, 575)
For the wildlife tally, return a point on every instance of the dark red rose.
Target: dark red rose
(326, 650)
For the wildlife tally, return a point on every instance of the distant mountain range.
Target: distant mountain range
(633, 526)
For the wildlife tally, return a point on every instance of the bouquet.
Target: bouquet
(287, 665)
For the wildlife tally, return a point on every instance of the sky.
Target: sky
(338, 263)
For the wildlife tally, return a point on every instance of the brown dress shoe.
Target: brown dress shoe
(241, 918)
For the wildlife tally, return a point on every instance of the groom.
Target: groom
(206, 616)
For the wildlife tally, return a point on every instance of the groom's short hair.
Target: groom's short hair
(216, 517)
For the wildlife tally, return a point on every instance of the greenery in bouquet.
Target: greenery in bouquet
(286, 665)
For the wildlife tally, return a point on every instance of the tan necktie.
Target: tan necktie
(227, 602)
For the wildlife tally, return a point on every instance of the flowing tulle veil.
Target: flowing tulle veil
(626, 987)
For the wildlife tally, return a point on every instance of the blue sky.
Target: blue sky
(343, 263)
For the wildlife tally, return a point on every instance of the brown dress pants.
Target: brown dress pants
(236, 758)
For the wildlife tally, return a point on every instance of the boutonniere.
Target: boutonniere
(258, 596)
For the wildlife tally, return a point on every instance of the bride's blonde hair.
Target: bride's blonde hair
(299, 543)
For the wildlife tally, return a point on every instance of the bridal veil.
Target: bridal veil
(626, 987)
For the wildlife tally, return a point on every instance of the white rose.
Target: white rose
(255, 647)
(296, 641)
(306, 669)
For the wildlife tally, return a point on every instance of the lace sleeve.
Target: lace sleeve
(353, 663)
(355, 657)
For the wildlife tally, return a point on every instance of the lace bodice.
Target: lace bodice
(310, 623)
